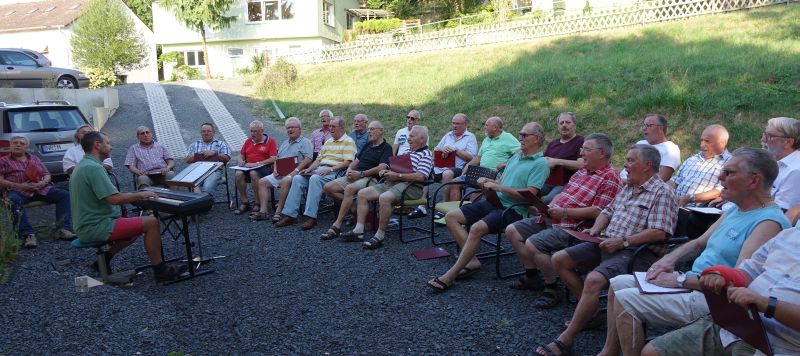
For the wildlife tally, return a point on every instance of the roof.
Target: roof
(39, 15)
(370, 13)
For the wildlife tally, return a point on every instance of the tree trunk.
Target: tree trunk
(205, 50)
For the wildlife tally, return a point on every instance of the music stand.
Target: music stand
(195, 173)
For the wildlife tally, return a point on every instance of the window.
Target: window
(328, 15)
(194, 58)
(16, 59)
(268, 10)
(235, 52)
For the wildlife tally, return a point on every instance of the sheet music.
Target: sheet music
(646, 287)
(703, 210)
(197, 171)
(245, 169)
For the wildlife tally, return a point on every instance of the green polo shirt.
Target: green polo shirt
(92, 218)
(497, 150)
(521, 173)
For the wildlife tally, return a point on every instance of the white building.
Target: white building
(46, 27)
(269, 26)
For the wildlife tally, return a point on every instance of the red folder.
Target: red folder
(744, 323)
(284, 166)
(556, 176)
(441, 162)
(533, 199)
(401, 164)
(491, 197)
(199, 157)
(32, 173)
(583, 236)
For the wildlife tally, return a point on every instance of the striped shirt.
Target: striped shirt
(337, 151)
(698, 175)
(585, 189)
(217, 146)
(13, 171)
(318, 138)
(651, 206)
(422, 161)
(147, 158)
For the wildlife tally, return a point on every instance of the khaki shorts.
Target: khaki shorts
(589, 257)
(360, 183)
(670, 310)
(414, 192)
(701, 337)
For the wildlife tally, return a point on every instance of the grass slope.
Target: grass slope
(738, 69)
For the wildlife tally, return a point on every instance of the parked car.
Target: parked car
(48, 125)
(23, 68)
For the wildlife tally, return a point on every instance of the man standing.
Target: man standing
(96, 212)
(27, 179)
(526, 169)
(782, 139)
(323, 133)
(336, 155)
(564, 152)
(209, 149)
(149, 161)
(359, 133)
(75, 153)
(259, 152)
(401, 145)
(459, 142)
(644, 211)
(655, 134)
(295, 146)
(371, 160)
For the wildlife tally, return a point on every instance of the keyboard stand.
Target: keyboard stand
(187, 241)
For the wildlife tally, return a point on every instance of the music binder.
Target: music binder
(646, 287)
(491, 197)
(440, 161)
(535, 201)
(284, 166)
(583, 236)
(401, 164)
(743, 322)
(199, 157)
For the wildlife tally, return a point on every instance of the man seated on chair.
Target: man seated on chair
(644, 211)
(526, 169)
(95, 210)
(336, 155)
(149, 161)
(26, 179)
(209, 149)
(782, 139)
(360, 134)
(459, 142)
(295, 146)
(590, 190)
(75, 153)
(496, 148)
(746, 180)
(401, 146)
(371, 160)
(564, 152)
(654, 129)
(259, 150)
(392, 189)
(767, 280)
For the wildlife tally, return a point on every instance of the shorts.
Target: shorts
(528, 227)
(700, 337)
(437, 177)
(154, 179)
(552, 240)
(361, 183)
(489, 214)
(414, 191)
(262, 171)
(665, 310)
(126, 228)
(275, 182)
(588, 257)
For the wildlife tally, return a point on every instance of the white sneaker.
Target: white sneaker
(29, 241)
(64, 234)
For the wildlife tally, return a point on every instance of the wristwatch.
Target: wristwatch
(681, 279)
(625, 242)
(771, 306)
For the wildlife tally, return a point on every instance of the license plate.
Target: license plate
(55, 147)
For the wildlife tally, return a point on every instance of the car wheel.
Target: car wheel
(67, 83)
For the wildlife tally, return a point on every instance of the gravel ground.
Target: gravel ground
(278, 291)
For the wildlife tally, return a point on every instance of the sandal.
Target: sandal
(372, 243)
(331, 234)
(277, 217)
(467, 272)
(258, 216)
(528, 283)
(563, 349)
(352, 237)
(437, 285)
(596, 322)
(243, 208)
(550, 299)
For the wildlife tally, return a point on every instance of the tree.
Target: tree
(143, 9)
(199, 14)
(105, 38)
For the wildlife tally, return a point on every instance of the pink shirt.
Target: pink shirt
(13, 171)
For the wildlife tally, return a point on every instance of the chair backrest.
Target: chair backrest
(475, 172)
(557, 176)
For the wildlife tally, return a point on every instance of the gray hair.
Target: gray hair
(788, 127)
(498, 121)
(603, 142)
(78, 129)
(423, 131)
(649, 153)
(27, 142)
(256, 124)
(462, 115)
(377, 124)
(571, 116)
(536, 130)
(324, 111)
(758, 161)
(337, 121)
(661, 119)
(292, 120)
(140, 129)
(366, 118)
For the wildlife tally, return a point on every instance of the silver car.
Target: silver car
(21, 68)
(49, 126)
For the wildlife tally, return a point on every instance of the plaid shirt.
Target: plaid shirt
(13, 171)
(217, 146)
(699, 175)
(651, 206)
(148, 159)
(585, 189)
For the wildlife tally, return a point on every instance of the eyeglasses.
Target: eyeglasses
(770, 136)
(524, 135)
(731, 173)
(647, 126)
(587, 149)
(292, 127)
(375, 128)
(144, 133)
(412, 118)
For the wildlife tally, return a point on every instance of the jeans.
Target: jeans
(211, 182)
(56, 196)
(314, 185)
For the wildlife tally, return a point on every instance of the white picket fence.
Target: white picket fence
(466, 36)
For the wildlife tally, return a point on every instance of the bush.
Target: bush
(184, 72)
(276, 77)
(170, 57)
(9, 243)
(101, 78)
(378, 25)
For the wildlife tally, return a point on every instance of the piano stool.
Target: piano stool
(123, 277)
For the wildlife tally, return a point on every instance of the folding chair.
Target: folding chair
(403, 207)
(470, 181)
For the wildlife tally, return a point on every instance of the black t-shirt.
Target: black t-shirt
(370, 156)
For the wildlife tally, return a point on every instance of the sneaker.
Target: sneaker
(171, 272)
(438, 215)
(29, 241)
(393, 223)
(417, 213)
(64, 234)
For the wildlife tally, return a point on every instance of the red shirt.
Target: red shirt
(259, 151)
(13, 171)
(584, 189)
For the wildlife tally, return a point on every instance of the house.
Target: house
(272, 27)
(46, 27)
